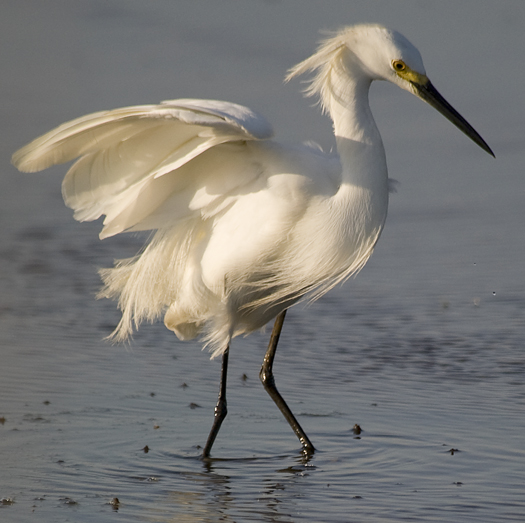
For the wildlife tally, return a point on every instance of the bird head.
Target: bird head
(373, 52)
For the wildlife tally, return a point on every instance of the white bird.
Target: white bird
(245, 227)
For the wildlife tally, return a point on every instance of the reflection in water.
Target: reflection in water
(217, 496)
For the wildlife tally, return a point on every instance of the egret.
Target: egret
(245, 227)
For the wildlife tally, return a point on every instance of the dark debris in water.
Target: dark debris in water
(68, 501)
(115, 503)
(145, 449)
(453, 451)
(7, 501)
(194, 406)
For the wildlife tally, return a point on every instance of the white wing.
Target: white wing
(125, 153)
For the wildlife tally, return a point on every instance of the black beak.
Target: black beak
(430, 94)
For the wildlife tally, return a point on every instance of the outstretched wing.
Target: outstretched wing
(125, 154)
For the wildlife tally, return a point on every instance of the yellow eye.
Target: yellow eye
(399, 66)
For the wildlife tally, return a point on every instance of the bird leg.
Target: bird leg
(220, 409)
(268, 381)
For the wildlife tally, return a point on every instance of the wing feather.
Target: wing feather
(123, 153)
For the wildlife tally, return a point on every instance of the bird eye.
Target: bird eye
(398, 65)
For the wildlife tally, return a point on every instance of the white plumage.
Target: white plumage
(245, 227)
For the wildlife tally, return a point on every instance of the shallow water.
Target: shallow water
(424, 349)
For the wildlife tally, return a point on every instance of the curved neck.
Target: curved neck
(350, 110)
(358, 140)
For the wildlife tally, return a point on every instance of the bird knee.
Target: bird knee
(266, 377)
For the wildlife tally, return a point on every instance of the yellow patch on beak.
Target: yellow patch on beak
(413, 77)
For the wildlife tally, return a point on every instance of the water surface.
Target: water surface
(424, 349)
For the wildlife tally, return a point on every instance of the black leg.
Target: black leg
(268, 382)
(220, 409)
